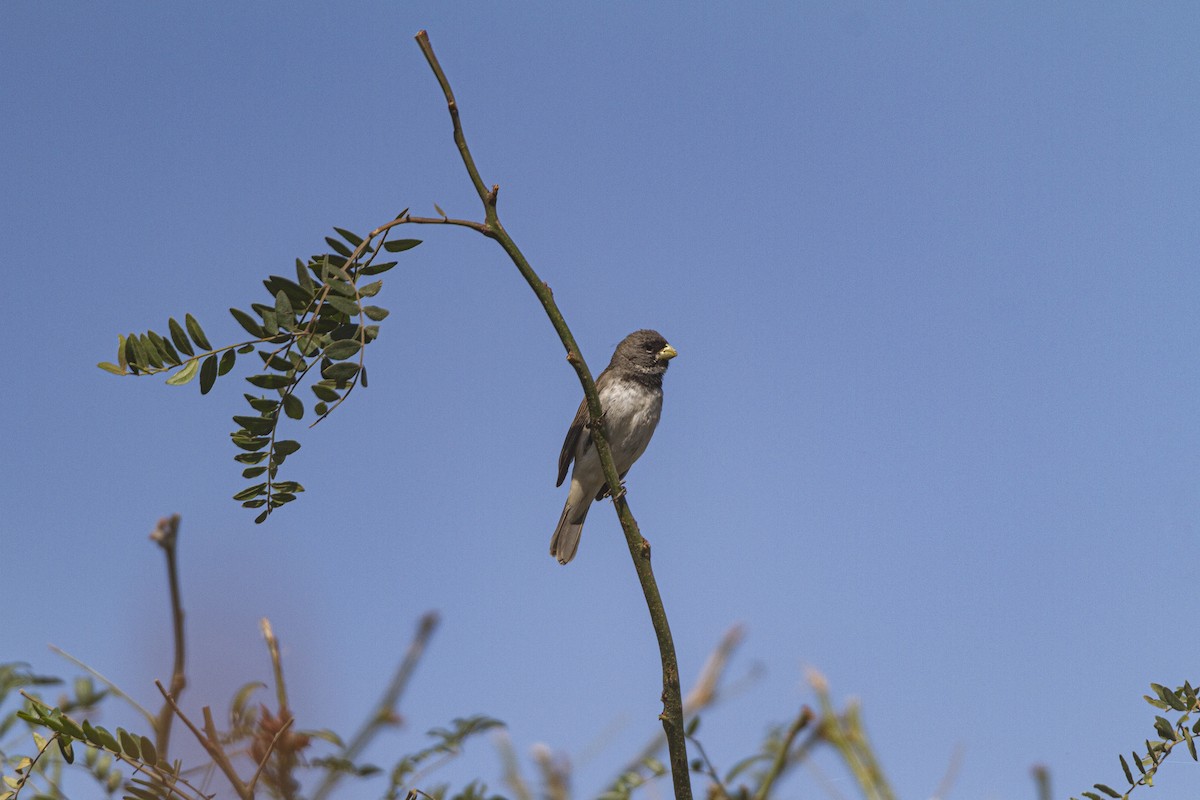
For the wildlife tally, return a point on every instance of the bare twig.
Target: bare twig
(166, 535)
(555, 778)
(276, 666)
(943, 788)
(384, 712)
(287, 723)
(639, 548)
(1041, 776)
(210, 742)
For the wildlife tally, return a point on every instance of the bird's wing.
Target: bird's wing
(572, 441)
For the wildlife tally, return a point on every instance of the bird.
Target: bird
(631, 398)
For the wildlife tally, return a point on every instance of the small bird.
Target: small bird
(631, 397)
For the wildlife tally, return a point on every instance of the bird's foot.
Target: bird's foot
(614, 495)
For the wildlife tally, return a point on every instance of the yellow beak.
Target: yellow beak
(666, 354)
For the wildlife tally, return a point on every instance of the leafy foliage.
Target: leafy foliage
(1170, 734)
(314, 328)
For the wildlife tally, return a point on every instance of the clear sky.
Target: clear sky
(931, 270)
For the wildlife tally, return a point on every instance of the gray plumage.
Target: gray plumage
(631, 396)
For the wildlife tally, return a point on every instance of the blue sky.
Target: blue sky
(930, 269)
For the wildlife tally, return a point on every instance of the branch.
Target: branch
(702, 695)
(211, 743)
(781, 758)
(639, 548)
(166, 535)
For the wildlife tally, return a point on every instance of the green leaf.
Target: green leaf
(299, 295)
(288, 486)
(342, 304)
(72, 727)
(371, 289)
(1126, 769)
(338, 247)
(179, 337)
(129, 745)
(252, 491)
(269, 317)
(164, 348)
(261, 518)
(197, 333)
(149, 754)
(343, 288)
(247, 442)
(132, 354)
(286, 447)
(152, 354)
(330, 268)
(107, 740)
(340, 373)
(68, 751)
(208, 374)
(110, 367)
(343, 349)
(320, 409)
(1164, 729)
(121, 359)
(258, 426)
(375, 312)
(248, 322)
(249, 458)
(324, 391)
(303, 279)
(283, 306)
(348, 236)
(1137, 761)
(186, 374)
(293, 406)
(272, 361)
(228, 358)
(270, 381)
(263, 405)
(1171, 699)
(259, 503)
(253, 472)
(400, 245)
(376, 269)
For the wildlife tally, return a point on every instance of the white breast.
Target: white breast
(631, 413)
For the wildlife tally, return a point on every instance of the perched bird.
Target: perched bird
(631, 396)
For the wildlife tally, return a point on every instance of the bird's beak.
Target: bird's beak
(666, 354)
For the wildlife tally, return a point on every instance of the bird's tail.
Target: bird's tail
(565, 541)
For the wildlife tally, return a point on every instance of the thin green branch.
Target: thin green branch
(639, 548)
(112, 687)
(781, 758)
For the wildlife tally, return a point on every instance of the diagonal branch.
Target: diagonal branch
(639, 548)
